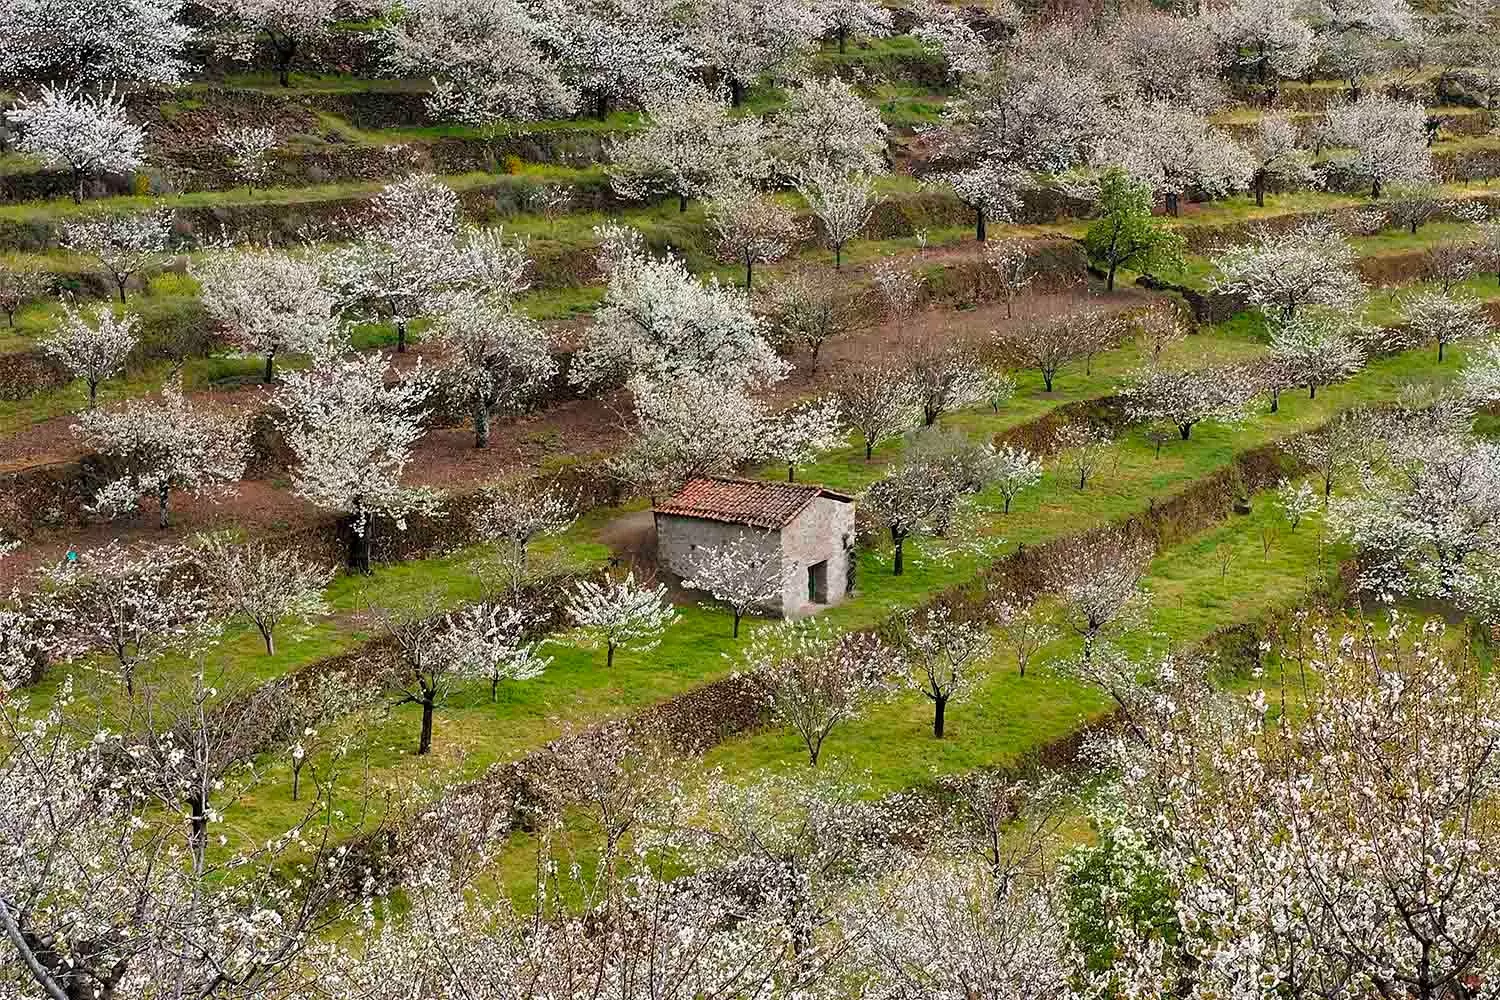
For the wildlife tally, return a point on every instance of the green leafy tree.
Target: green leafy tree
(1126, 234)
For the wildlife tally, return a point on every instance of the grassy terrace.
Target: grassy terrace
(473, 733)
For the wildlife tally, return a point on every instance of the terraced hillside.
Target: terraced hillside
(349, 351)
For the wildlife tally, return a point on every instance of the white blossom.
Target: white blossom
(86, 134)
(165, 447)
(93, 347)
(620, 614)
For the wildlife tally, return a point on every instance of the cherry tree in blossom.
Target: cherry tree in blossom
(412, 247)
(743, 573)
(1426, 503)
(1011, 262)
(846, 19)
(658, 322)
(93, 347)
(270, 303)
(19, 284)
(269, 586)
(1082, 448)
(842, 201)
(814, 678)
(1335, 449)
(809, 308)
(1333, 899)
(1171, 150)
(1381, 140)
(132, 604)
(945, 657)
(1296, 500)
(488, 61)
(966, 49)
(125, 244)
(1016, 470)
(922, 495)
(312, 707)
(618, 52)
(946, 378)
(942, 927)
(1049, 346)
(1098, 582)
(620, 614)
(352, 435)
(744, 41)
(96, 42)
(1023, 629)
(1446, 318)
(685, 427)
(800, 434)
(1321, 346)
(1266, 38)
(287, 26)
(433, 652)
(165, 447)
(517, 517)
(825, 121)
(690, 144)
(248, 149)
(84, 133)
(1189, 396)
(879, 401)
(1310, 264)
(751, 227)
(101, 896)
(491, 357)
(1277, 157)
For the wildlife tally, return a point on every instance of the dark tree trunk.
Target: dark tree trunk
(197, 823)
(791, 473)
(843, 39)
(736, 93)
(1260, 189)
(1047, 377)
(120, 283)
(838, 256)
(601, 106)
(1312, 391)
(869, 447)
(163, 495)
(979, 230)
(1375, 189)
(481, 424)
(898, 539)
(1109, 284)
(93, 393)
(1275, 400)
(939, 711)
(401, 337)
(1440, 352)
(1172, 207)
(78, 187)
(270, 638)
(270, 372)
(296, 782)
(681, 202)
(737, 617)
(1185, 430)
(609, 655)
(425, 745)
(749, 272)
(359, 550)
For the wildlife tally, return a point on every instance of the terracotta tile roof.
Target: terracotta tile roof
(752, 502)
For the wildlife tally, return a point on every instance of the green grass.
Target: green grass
(472, 733)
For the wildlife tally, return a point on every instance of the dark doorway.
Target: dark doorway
(817, 582)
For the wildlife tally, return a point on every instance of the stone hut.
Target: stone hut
(809, 531)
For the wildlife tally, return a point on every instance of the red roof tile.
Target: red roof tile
(752, 502)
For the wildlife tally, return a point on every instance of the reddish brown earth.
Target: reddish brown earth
(447, 459)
